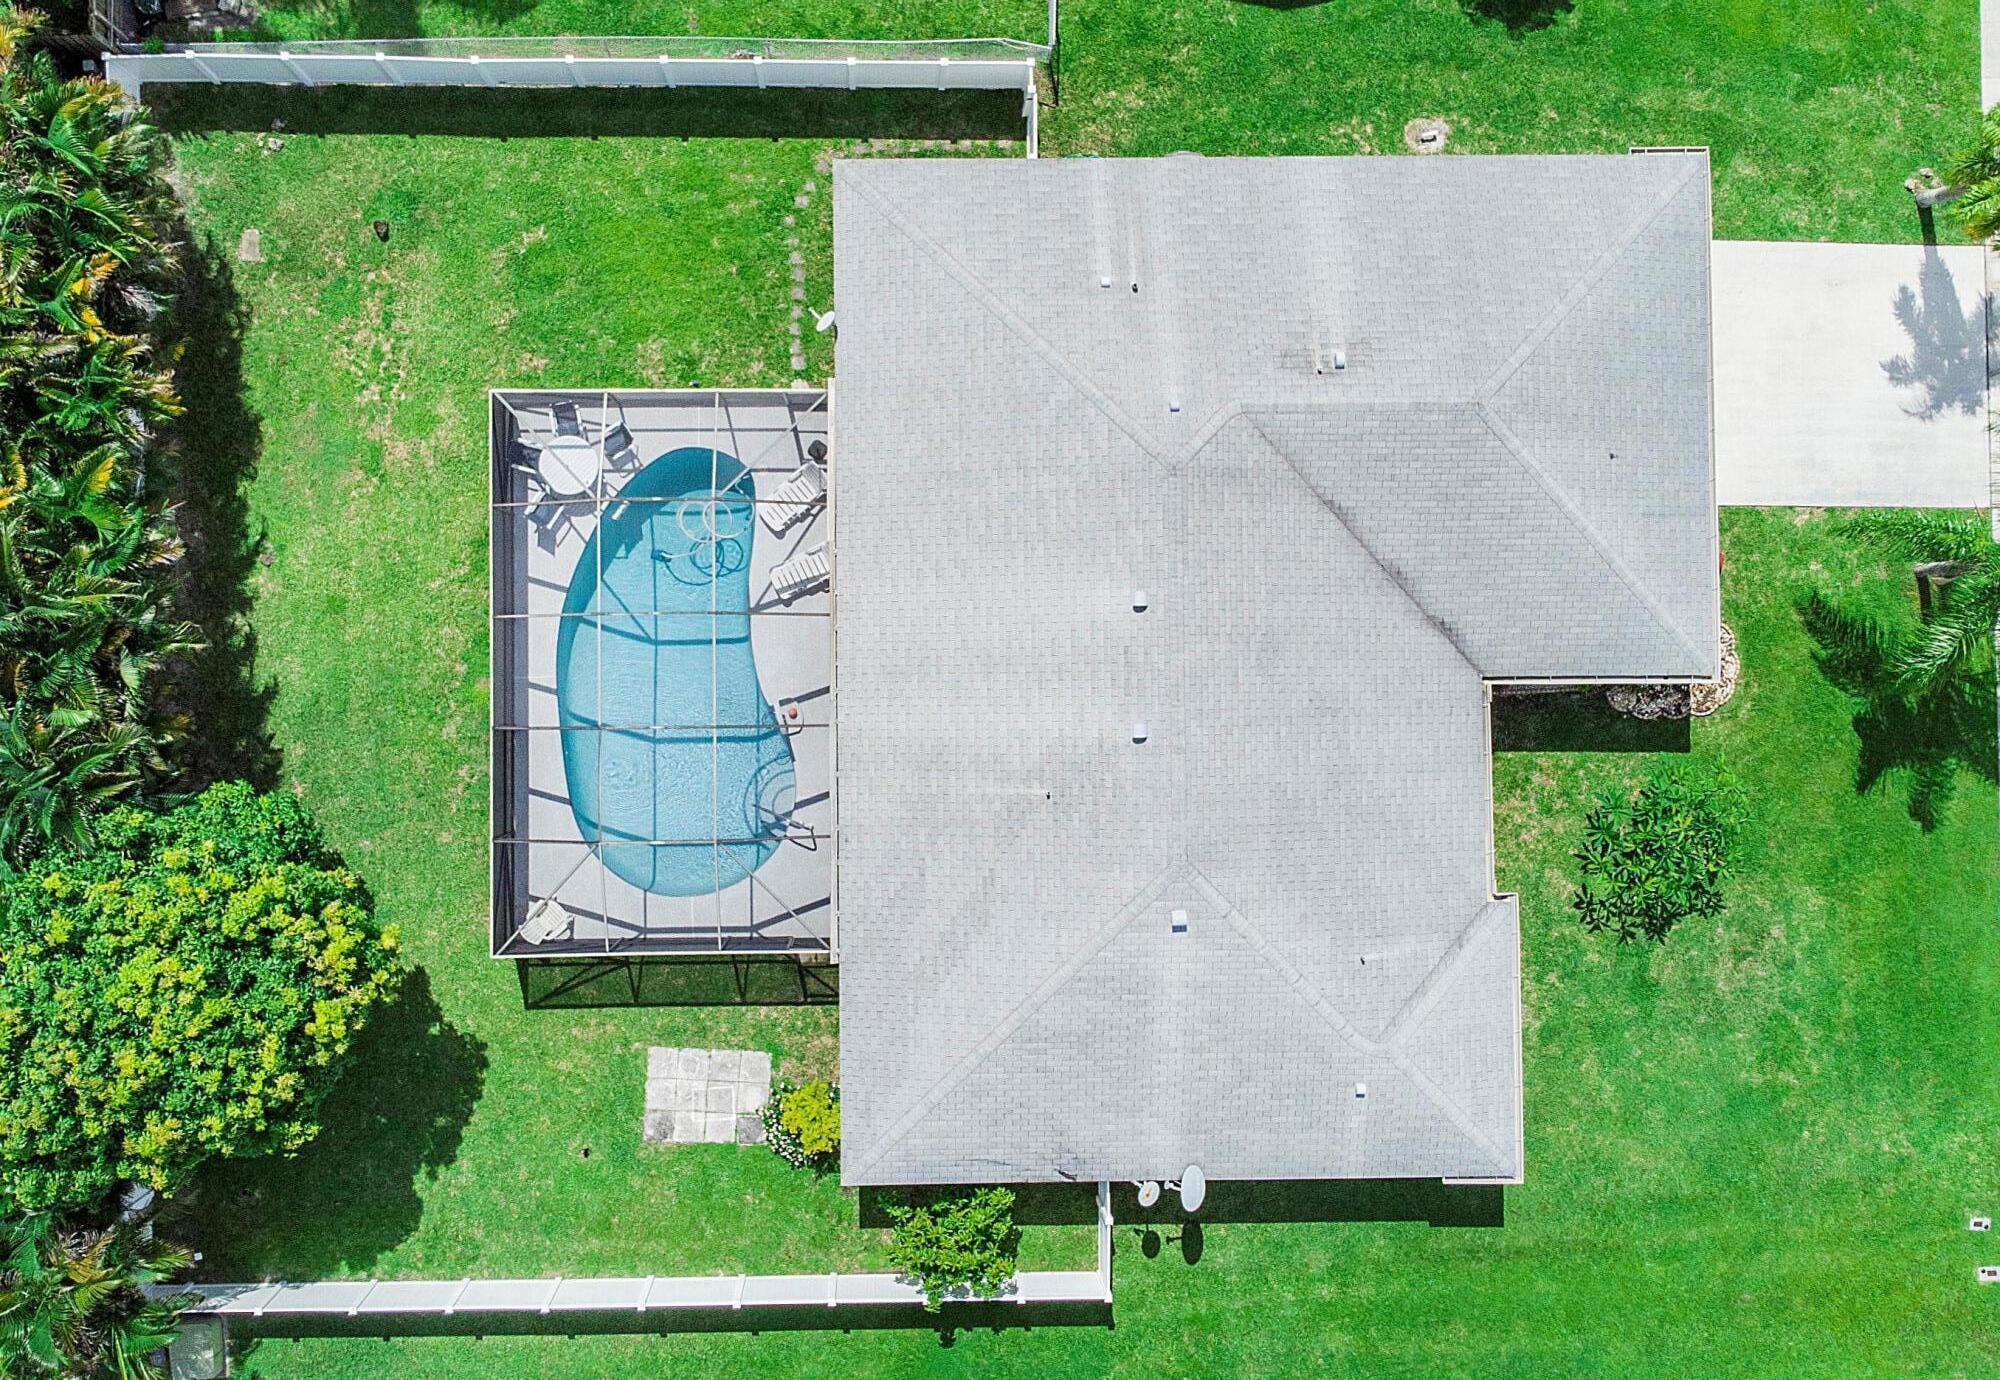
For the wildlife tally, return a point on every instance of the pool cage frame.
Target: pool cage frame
(805, 927)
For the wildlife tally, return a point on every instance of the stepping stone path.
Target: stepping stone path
(712, 1095)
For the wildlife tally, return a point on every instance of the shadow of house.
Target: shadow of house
(1580, 720)
(397, 1113)
(1948, 344)
(590, 112)
(214, 449)
(1035, 1205)
(1923, 741)
(1520, 16)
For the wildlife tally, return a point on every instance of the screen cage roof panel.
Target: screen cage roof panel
(662, 672)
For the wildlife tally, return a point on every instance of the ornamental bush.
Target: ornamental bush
(802, 1124)
(966, 1242)
(1657, 857)
(191, 986)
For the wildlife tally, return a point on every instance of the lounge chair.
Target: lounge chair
(546, 920)
(802, 574)
(795, 498)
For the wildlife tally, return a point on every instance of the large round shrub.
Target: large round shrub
(189, 987)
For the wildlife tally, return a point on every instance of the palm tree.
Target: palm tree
(1957, 568)
(1972, 182)
(74, 1301)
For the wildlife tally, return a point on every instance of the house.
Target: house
(1189, 511)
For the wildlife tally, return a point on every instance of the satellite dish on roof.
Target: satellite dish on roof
(1149, 1193)
(1193, 1188)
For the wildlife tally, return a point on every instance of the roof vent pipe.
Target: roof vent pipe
(1139, 732)
(1141, 601)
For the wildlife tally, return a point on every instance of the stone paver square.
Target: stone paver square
(706, 1095)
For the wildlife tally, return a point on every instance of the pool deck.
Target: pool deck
(784, 904)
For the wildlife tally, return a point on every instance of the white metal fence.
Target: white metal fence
(600, 63)
(445, 1298)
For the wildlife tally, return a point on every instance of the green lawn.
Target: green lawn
(1749, 1153)
(1816, 110)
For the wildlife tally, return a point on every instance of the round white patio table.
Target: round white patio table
(569, 465)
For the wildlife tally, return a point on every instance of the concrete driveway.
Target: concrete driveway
(1851, 374)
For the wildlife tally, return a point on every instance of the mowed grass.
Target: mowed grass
(476, 1136)
(1814, 110)
(1750, 1153)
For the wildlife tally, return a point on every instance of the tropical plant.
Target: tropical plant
(962, 1243)
(1956, 565)
(1655, 857)
(802, 1124)
(88, 246)
(1972, 182)
(74, 1301)
(190, 986)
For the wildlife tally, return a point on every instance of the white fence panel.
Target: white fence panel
(798, 72)
(318, 67)
(510, 71)
(426, 71)
(619, 72)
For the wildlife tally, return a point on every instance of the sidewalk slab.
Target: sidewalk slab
(1850, 375)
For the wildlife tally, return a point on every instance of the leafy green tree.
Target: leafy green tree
(73, 1301)
(190, 986)
(962, 1243)
(88, 250)
(1654, 858)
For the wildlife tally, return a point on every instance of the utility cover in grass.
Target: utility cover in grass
(706, 1095)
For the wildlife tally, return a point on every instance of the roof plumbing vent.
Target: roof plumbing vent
(1360, 1092)
(1328, 358)
(1140, 603)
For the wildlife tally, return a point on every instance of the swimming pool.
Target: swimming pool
(654, 652)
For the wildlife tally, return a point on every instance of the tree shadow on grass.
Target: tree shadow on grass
(214, 452)
(1520, 16)
(502, 113)
(1921, 742)
(398, 1112)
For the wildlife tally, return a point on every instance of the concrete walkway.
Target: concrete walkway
(1851, 374)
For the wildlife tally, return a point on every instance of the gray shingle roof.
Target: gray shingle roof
(1510, 477)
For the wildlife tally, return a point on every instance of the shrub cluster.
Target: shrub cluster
(802, 1124)
(88, 242)
(1653, 858)
(962, 1244)
(190, 987)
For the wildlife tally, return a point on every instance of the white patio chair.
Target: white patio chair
(795, 498)
(802, 574)
(546, 920)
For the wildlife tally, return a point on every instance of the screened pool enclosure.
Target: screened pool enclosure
(662, 673)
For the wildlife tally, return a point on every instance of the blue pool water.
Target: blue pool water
(665, 566)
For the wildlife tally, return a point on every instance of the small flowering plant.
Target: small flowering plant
(802, 1124)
